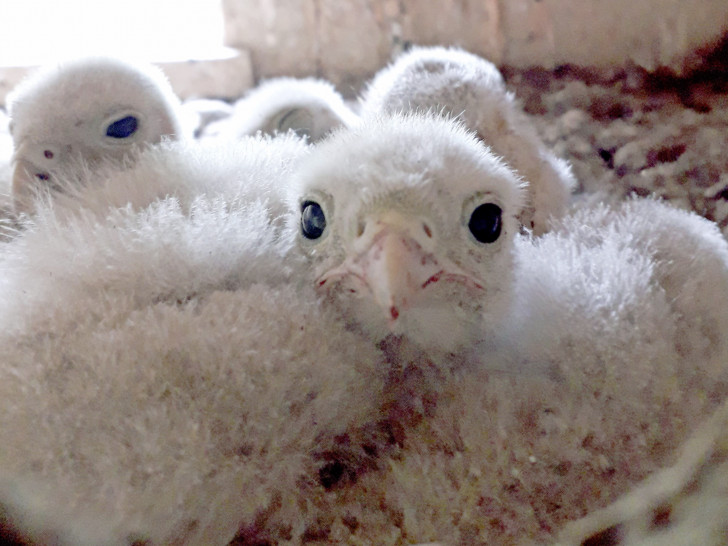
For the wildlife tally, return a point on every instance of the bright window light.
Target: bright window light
(34, 32)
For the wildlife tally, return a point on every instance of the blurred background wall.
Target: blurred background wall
(346, 41)
(220, 48)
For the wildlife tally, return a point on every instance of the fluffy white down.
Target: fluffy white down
(309, 107)
(162, 379)
(629, 288)
(456, 83)
(189, 215)
(639, 282)
(174, 422)
(623, 306)
(432, 171)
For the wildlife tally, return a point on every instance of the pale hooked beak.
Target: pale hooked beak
(397, 263)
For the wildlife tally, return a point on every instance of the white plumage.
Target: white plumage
(420, 240)
(622, 308)
(85, 111)
(152, 363)
(639, 283)
(456, 83)
(309, 107)
(162, 380)
(395, 196)
(247, 178)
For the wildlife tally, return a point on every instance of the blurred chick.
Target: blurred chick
(309, 107)
(85, 112)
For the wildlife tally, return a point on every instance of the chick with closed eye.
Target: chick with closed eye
(309, 107)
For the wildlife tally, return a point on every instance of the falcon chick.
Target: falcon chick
(309, 107)
(85, 111)
(409, 224)
(456, 83)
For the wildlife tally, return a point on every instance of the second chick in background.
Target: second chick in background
(83, 113)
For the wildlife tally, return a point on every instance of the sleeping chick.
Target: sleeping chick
(85, 111)
(456, 83)
(309, 107)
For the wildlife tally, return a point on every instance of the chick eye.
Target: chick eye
(485, 223)
(313, 220)
(122, 128)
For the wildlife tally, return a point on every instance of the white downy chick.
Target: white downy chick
(456, 83)
(408, 223)
(162, 381)
(624, 305)
(309, 107)
(175, 422)
(85, 111)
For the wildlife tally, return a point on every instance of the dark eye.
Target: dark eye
(122, 128)
(485, 223)
(313, 221)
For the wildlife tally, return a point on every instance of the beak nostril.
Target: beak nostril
(427, 230)
(48, 154)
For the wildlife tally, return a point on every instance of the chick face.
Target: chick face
(85, 112)
(408, 224)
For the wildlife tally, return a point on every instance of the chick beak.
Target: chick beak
(397, 266)
(391, 269)
(394, 259)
